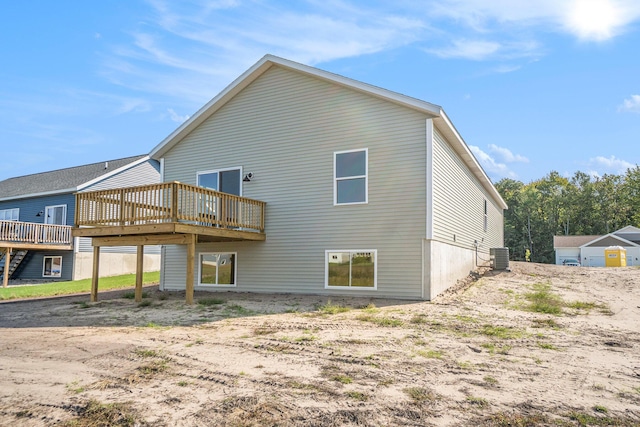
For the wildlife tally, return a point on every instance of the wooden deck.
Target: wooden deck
(30, 236)
(170, 213)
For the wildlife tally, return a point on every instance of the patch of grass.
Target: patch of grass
(463, 364)
(343, 379)
(264, 331)
(155, 367)
(238, 310)
(421, 394)
(502, 332)
(84, 304)
(207, 302)
(499, 349)
(357, 395)
(132, 295)
(466, 319)
(547, 346)
(418, 319)
(589, 420)
(542, 300)
(601, 409)
(546, 323)
(490, 380)
(431, 354)
(480, 402)
(505, 419)
(75, 387)
(145, 303)
(183, 383)
(76, 286)
(147, 353)
(380, 320)
(96, 414)
(306, 338)
(330, 308)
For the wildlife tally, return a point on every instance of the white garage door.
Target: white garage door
(596, 261)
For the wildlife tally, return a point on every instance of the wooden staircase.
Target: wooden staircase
(17, 256)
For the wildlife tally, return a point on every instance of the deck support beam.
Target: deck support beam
(95, 273)
(139, 271)
(7, 264)
(191, 258)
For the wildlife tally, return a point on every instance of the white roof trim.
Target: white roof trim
(613, 235)
(112, 173)
(434, 111)
(628, 229)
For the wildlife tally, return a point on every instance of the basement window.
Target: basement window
(351, 269)
(217, 269)
(52, 266)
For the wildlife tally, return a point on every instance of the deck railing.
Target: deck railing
(33, 233)
(168, 202)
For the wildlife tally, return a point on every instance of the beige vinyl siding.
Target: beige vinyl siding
(458, 203)
(145, 173)
(284, 128)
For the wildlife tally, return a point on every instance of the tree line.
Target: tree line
(555, 205)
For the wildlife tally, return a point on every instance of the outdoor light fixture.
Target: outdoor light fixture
(247, 177)
(40, 213)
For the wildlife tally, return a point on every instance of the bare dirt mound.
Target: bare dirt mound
(540, 345)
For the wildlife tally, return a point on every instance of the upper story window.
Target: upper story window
(55, 215)
(350, 173)
(226, 181)
(9, 214)
(486, 216)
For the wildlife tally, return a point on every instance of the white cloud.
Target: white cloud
(610, 164)
(493, 167)
(176, 117)
(507, 155)
(477, 50)
(631, 105)
(589, 20)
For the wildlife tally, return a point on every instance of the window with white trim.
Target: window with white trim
(350, 177)
(52, 266)
(9, 214)
(486, 216)
(355, 268)
(55, 215)
(217, 269)
(224, 180)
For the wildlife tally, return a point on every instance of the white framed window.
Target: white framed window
(52, 266)
(486, 216)
(9, 214)
(217, 269)
(55, 215)
(350, 177)
(351, 269)
(224, 180)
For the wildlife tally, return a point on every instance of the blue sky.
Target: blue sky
(531, 86)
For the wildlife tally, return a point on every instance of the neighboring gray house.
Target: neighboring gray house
(37, 212)
(342, 188)
(589, 250)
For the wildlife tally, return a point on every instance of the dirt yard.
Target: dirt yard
(540, 345)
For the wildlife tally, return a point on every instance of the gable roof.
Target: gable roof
(572, 241)
(65, 180)
(628, 229)
(610, 239)
(433, 111)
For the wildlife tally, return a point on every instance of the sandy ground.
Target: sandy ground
(479, 355)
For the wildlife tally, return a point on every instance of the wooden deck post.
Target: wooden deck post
(95, 274)
(139, 271)
(191, 258)
(7, 264)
